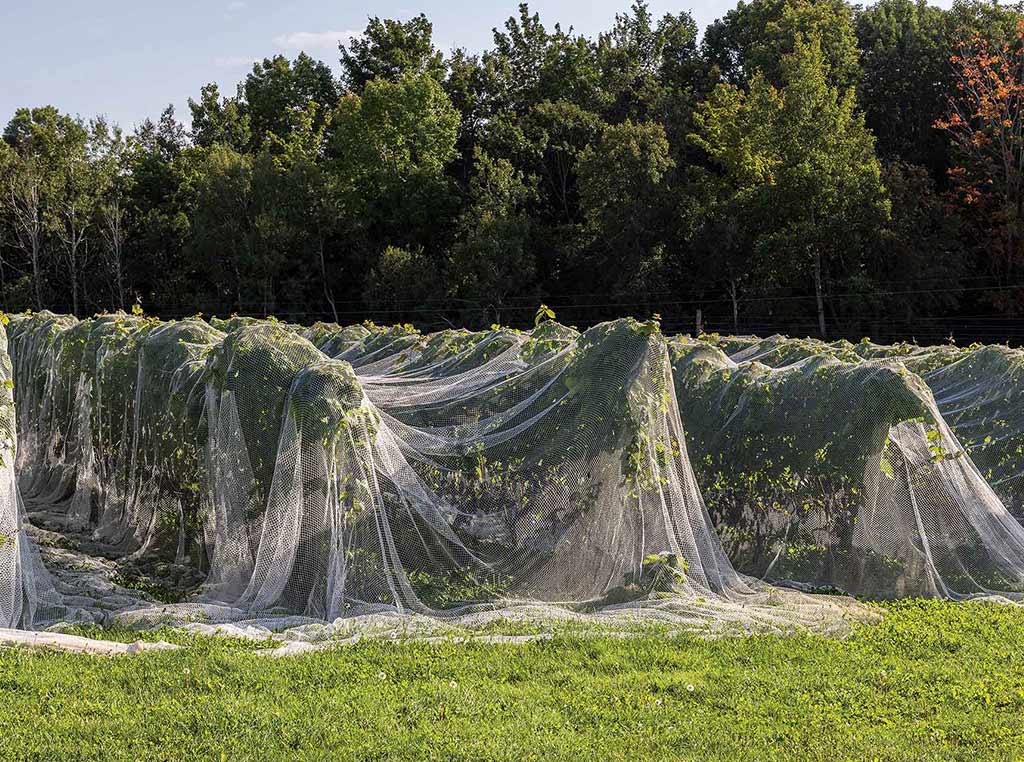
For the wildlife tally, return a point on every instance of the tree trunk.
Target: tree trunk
(115, 236)
(819, 297)
(735, 307)
(35, 274)
(323, 277)
(119, 277)
(27, 219)
(238, 289)
(74, 279)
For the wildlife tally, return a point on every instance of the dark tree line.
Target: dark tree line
(805, 165)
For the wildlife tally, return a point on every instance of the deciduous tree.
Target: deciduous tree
(986, 125)
(799, 158)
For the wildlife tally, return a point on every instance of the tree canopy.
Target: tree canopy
(804, 165)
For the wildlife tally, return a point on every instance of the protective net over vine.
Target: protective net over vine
(287, 475)
(977, 389)
(832, 465)
(27, 594)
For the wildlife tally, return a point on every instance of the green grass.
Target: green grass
(935, 680)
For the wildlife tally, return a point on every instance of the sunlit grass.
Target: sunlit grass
(934, 680)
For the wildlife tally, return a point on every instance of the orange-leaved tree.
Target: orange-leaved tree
(986, 126)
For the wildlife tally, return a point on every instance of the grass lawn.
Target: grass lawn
(935, 680)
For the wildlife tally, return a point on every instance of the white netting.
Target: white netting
(834, 470)
(376, 472)
(27, 594)
(977, 389)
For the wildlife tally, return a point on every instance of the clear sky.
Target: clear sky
(130, 58)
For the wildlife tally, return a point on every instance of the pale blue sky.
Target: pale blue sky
(129, 58)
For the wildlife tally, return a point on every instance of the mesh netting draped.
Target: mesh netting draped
(328, 473)
(833, 464)
(26, 590)
(286, 476)
(976, 389)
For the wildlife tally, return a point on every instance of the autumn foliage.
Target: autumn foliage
(986, 127)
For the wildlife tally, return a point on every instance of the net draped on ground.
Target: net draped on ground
(281, 475)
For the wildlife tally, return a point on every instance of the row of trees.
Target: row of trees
(805, 165)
